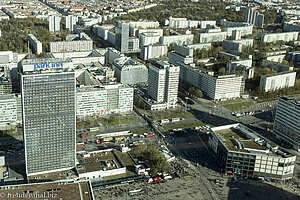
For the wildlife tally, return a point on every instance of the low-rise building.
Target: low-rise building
(242, 152)
(277, 81)
(102, 163)
(81, 190)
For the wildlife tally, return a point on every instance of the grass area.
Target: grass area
(188, 125)
(167, 114)
(125, 158)
(140, 131)
(118, 120)
(238, 106)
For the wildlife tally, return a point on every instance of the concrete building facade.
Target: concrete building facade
(35, 44)
(54, 23)
(105, 100)
(240, 151)
(163, 83)
(277, 81)
(274, 37)
(153, 51)
(129, 71)
(286, 123)
(49, 117)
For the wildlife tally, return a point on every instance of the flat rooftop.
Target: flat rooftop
(60, 190)
(54, 176)
(229, 136)
(104, 160)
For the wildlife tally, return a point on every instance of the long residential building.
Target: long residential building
(274, 37)
(278, 81)
(177, 39)
(85, 43)
(218, 87)
(35, 44)
(212, 37)
(242, 152)
(237, 45)
(104, 100)
(286, 123)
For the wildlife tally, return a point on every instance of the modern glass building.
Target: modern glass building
(49, 120)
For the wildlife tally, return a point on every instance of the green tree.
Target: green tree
(222, 70)
(198, 93)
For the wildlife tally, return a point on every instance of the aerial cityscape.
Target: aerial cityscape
(150, 99)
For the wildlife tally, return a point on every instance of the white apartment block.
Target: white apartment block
(212, 37)
(105, 100)
(277, 81)
(215, 87)
(177, 39)
(222, 87)
(200, 46)
(245, 30)
(153, 51)
(163, 83)
(144, 24)
(241, 65)
(71, 21)
(66, 46)
(237, 45)
(274, 37)
(286, 123)
(35, 44)
(149, 38)
(54, 23)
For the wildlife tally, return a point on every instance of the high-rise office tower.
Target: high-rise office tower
(286, 123)
(71, 22)
(48, 111)
(54, 23)
(122, 36)
(163, 82)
